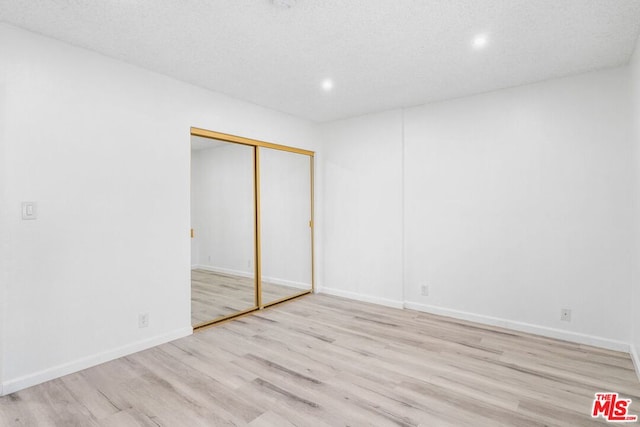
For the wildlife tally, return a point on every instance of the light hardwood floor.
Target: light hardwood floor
(326, 361)
(214, 295)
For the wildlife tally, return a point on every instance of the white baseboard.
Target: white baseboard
(360, 297)
(289, 283)
(636, 360)
(48, 374)
(274, 280)
(523, 327)
(222, 270)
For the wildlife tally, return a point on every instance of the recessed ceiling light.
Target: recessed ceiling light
(480, 41)
(287, 4)
(327, 85)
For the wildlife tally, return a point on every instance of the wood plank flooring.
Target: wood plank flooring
(215, 295)
(327, 361)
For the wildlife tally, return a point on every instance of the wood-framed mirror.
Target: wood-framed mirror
(285, 221)
(223, 230)
(252, 225)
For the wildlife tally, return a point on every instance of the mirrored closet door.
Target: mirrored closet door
(223, 279)
(252, 225)
(285, 218)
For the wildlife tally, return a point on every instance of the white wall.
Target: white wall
(103, 147)
(635, 301)
(516, 204)
(3, 218)
(222, 208)
(362, 208)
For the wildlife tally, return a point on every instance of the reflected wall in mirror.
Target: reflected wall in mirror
(285, 230)
(223, 229)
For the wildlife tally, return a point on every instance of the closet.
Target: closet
(252, 225)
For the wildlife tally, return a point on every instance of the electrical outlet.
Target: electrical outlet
(143, 320)
(565, 315)
(424, 290)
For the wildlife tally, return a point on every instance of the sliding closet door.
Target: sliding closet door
(223, 280)
(285, 224)
(252, 225)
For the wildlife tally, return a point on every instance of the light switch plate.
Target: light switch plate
(29, 210)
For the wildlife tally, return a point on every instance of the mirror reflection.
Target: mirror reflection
(285, 215)
(223, 229)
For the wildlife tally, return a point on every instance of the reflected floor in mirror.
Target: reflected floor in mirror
(214, 295)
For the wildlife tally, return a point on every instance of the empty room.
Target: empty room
(319, 213)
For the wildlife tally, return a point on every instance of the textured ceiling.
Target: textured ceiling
(381, 54)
